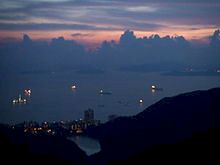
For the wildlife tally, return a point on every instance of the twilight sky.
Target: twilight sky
(92, 21)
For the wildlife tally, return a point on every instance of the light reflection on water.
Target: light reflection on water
(89, 145)
(52, 98)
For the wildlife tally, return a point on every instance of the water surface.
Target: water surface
(52, 98)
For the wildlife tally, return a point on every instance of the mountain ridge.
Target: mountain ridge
(169, 121)
(186, 126)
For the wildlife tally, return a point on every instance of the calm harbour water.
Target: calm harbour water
(89, 145)
(52, 98)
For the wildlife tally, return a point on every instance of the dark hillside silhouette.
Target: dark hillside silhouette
(176, 129)
(168, 122)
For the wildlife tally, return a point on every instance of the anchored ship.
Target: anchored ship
(102, 92)
(19, 100)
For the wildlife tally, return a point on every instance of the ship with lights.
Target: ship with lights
(19, 100)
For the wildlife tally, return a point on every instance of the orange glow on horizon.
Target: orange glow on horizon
(187, 34)
(94, 38)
